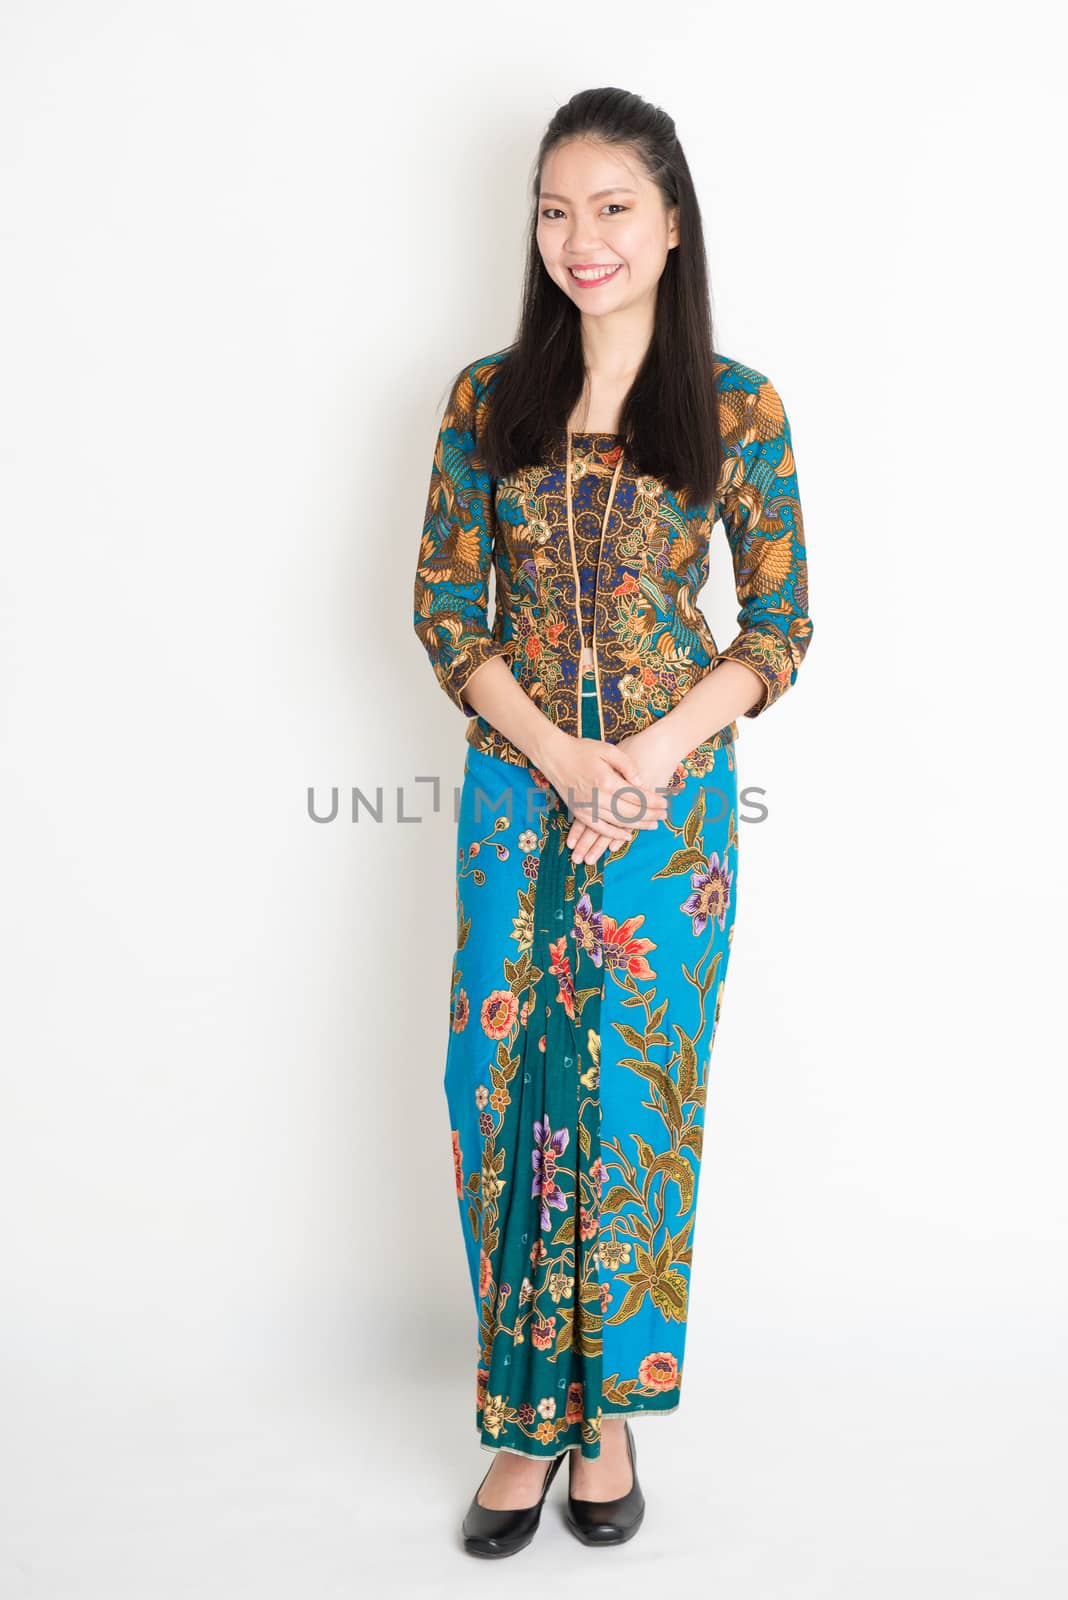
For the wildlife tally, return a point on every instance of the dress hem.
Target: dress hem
(537, 1455)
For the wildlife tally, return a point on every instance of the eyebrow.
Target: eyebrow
(546, 194)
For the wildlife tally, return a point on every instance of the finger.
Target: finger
(613, 804)
(606, 825)
(596, 843)
(585, 838)
(650, 793)
(614, 809)
(636, 812)
(582, 837)
(623, 762)
(628, 805)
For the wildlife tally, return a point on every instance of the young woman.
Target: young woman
(598, 845)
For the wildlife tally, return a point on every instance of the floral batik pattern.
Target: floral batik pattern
(585, 999)
(583, 1006)
(652, 641)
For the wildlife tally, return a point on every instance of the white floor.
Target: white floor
(852, 1474)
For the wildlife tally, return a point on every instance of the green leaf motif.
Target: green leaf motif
(659, 1080)
(669, 1089)
(565, 1233)
(682, 861)
(646, 1264)
(691, 828)
(632, 1302)
(669, 1293)
(679, 1169)
(646, 1153)
(687, 1063)
(694, 1137)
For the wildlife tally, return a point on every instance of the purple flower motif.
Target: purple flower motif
(587, 929)
(547, 1147)
(711, 896)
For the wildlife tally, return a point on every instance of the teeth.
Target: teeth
(590, 273)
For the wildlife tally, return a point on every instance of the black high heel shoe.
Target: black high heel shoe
(488, 1532)
(609, 1521)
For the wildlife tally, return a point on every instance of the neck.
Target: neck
(614, 346)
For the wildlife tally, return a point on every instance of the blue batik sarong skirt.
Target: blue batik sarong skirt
(583, 1006)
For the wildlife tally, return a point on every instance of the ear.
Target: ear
(673, 227)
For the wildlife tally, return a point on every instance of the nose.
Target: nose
(583, 239)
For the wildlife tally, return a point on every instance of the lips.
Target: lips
(601, 276)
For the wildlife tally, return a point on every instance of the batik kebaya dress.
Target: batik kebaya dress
(584, 998)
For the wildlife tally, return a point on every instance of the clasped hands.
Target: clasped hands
(589, 768)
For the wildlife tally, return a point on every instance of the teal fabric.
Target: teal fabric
(583, 1006)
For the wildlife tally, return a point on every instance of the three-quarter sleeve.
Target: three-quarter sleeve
(765, 531)
(456, 551)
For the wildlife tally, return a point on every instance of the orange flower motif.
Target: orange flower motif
(458, 1162)
(573, 1410)
(499, 1011)
(542, 1332)
(485, 1274)
(560, 967)
(462, 1012)
(659, 1370)
(622, 951)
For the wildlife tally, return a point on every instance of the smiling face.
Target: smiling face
(598, 210)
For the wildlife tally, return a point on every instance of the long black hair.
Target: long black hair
(669, 419)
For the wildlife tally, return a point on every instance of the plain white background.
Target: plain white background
(244, 248)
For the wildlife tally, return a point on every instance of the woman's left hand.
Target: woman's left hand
(657, 762)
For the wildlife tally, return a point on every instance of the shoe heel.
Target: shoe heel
(491, 1533)
(609, 1521)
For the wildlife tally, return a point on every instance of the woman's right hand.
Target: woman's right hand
(583, 771)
